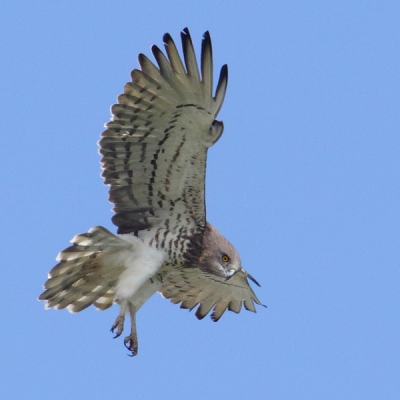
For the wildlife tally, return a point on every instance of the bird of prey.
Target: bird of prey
(154, 158)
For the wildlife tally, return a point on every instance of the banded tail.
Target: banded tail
(84, 274)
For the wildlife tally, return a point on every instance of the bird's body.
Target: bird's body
(154, 158)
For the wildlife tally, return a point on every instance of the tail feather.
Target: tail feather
(81, 278)
(105, 301)
(80, 302)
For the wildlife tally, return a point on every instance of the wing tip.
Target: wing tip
(155, 49)
(142, 59)
(185, 36)
(224, 72)
(199, 315)
(167, 38)
(221, 86)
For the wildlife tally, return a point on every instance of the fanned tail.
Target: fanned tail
(83, 277)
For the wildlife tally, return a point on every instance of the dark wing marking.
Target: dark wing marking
(154, 148)
(191, 287)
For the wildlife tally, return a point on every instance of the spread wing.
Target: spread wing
(154, 148)
(191, 287)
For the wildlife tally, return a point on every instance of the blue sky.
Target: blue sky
(304, 182)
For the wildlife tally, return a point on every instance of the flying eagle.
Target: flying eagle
(154, 153)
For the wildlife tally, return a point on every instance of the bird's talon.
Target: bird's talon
(132, 345)
(119, 326)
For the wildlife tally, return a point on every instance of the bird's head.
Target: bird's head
(219, 256)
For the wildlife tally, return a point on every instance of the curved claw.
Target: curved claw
(119, 325)
(131, 343)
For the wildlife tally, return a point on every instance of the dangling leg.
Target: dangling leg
(133, 304)
(119, 322)
(131, 341)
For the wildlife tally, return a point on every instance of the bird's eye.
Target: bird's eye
(225, 258)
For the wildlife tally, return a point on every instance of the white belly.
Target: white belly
(141, 262)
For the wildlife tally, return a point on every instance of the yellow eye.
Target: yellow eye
(225, 258)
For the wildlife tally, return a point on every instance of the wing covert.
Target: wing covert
(155, 146)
